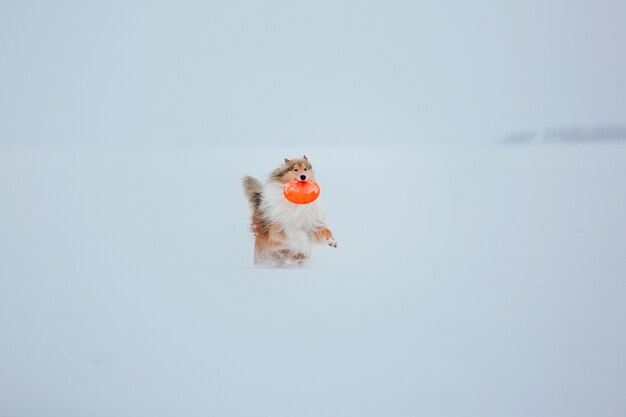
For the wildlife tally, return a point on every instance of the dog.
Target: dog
(285, 232)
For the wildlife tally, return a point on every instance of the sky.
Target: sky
(281, 72)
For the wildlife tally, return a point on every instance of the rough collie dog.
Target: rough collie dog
(285, 232)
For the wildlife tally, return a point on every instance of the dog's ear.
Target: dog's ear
(305, 158)
(286, 160)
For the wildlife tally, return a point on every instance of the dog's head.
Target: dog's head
(297, 168)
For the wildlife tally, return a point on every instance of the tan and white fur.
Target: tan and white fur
(285, 232)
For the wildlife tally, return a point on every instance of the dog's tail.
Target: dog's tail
(252, 188)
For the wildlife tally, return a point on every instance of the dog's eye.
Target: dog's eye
(305, 169)
(295, 169)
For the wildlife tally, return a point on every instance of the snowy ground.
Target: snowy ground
(482, 281)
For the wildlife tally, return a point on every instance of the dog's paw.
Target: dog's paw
(332, 242)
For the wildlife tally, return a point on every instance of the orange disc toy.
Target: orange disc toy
(301, 192)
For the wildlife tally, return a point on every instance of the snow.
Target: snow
(469, 280)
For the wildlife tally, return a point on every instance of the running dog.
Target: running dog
(285, 232)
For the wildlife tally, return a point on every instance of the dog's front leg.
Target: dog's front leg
(325, 235)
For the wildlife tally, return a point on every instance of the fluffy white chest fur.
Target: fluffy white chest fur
(299, 221)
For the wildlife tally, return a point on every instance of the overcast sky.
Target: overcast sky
(340, 72)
